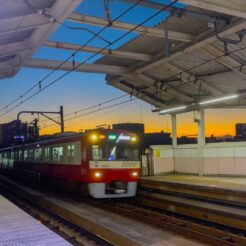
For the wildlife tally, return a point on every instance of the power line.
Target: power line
(110, 111)
(97, 110)
(94, 106)
(81, 63)
(131, 100)
(116, 41)
(71, 56)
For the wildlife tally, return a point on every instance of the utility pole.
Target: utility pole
(62, 118)
(44, 113)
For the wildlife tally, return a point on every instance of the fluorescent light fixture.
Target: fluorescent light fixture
(220, 99)
(172, 109)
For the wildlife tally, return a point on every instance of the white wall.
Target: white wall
(217, 159)
(163, 159)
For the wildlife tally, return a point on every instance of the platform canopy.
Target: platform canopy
(24, 27)
(196, 55)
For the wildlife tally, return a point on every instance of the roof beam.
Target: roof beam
(12, 63)
(67, 66)
(117, 83)
(229, 7)
(108, 52)
(21, 23)
(11, 12)
(190, 11)
(150, 31)
(150, 83)
(226, 61)
(13, 48)
(174, 92)
(187, 77)
(234, 27)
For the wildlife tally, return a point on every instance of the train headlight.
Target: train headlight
(134, 174)
(101, 137)
(98, 174)
(94, 137)
(133, 139)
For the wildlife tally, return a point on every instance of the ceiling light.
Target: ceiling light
(220, 99)
(170, 110)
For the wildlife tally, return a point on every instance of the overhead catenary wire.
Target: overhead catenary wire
(97, 110)
(131, 100)
(93, 106)
(190, 81)
(107, 112)
(68, 58)
(81, 63)
(187, 70)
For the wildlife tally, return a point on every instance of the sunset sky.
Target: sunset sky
(79, 91)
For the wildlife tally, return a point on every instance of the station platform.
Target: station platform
(227, 189)
(114, 228)
(19, 228)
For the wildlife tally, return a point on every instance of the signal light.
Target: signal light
(133, 139)
(101, 136)
(112, 137)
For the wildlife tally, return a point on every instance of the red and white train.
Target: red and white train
(105, 161)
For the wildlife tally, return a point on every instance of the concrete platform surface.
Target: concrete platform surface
(228, 183)
(19, 229)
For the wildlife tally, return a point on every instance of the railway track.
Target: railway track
(215, 194)
(198, 229)
(70, 232)
(204, 232)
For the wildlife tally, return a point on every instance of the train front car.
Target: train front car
(114, 164)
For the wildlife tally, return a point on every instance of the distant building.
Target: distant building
(240, 131)
(16, 132)
(156, 138)
(137, 128)
(187, 140)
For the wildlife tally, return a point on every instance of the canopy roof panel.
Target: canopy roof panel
(210, 65)
(24, 27)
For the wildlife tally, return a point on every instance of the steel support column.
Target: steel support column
(200, 140)
(174, 131)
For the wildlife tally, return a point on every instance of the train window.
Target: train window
(25, 155)
(16, 155)
(38, 154)
(20, 155)
(47, 154)
(57, 154)
(115, 152)
(5, 160)
(97, 152)
(70, 152)
(31, 154)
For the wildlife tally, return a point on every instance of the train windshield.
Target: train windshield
(115, 152)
